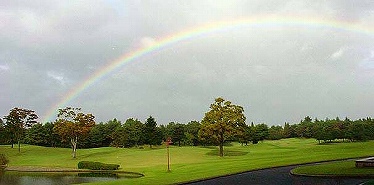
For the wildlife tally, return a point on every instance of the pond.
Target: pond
(56, 178)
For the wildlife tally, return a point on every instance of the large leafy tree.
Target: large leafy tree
(152, 134)
(289, 131)
(224, 120)
(192, 133)
(36, 135)
(129, 134)
(261, 132)
(275, 132)
(17, 121)
(101, 134)
(71, 124)
(42, 135)
(246, 135)
(51, 137)
(120, 137)
(134, 129)
(305, 128)
(176, 132)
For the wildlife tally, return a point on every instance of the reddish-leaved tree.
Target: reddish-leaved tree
(17, 121)
(71, 124)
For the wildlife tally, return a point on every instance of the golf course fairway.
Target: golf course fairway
(190, 162)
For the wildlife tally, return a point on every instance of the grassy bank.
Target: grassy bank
(190, 163)
(340, 168)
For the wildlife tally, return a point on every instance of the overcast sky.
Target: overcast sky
(279, 72)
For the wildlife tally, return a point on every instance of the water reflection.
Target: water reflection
(1, 173)
(109, 175)
(27, 178)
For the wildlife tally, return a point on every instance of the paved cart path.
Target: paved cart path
(279, 176)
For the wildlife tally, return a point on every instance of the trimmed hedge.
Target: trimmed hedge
(3, 160)
(97, 165)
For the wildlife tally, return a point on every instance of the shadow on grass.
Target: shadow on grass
(215, 152)
(96, 153)
(226, 144)
(209, 147)
(280, 147)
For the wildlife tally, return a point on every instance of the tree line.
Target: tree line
(134, 132)
(222, 123)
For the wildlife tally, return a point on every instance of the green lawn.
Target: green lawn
(341, 168)
(191, 163)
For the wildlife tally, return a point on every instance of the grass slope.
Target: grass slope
(190, 163)
(341, 168)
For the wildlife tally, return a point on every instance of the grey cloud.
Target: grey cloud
(277, 73)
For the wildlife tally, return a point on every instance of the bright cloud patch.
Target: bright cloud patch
(4, 68)
(58, 77)
(338, 54)
(147, 41)
(368, 64)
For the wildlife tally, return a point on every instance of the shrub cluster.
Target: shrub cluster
(3, 160)
(97, 165)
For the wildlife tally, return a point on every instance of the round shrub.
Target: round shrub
(97, 165)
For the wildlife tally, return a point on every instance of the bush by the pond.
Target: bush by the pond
(3, 160)
(97, 165)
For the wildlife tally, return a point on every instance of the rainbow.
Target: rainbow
(195, 32)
